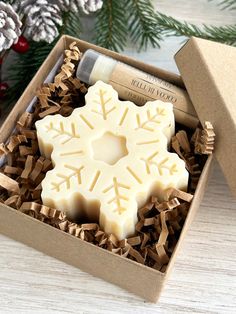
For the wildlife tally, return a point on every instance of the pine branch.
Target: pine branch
(114, 22)
(111, 25)
(71, 24)
(172, 27)
(228, 4)
(142, 23)
(24, 70)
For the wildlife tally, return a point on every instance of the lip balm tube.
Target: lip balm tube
(135, 85)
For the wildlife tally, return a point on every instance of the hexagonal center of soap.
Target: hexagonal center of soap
(109, 148)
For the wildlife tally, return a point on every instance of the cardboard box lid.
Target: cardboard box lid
(208, 70)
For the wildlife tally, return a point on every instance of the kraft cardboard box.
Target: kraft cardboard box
(208, 70)
(139, 279)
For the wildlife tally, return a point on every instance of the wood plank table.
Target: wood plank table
(204, 277)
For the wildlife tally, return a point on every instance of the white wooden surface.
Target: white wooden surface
(204, 277)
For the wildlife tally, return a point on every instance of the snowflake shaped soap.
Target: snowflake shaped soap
(109, 157)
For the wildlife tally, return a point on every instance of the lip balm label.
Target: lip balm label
(109, 157)
(141, 87)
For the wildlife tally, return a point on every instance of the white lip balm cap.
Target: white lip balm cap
(94, 66)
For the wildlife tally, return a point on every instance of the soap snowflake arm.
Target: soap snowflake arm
(165, 170)
(103, 100)
(118, 211)
(156, 116)
(56, 131)
(60, 183)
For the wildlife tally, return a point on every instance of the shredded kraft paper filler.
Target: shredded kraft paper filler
(159, 222)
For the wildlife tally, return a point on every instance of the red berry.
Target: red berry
(21, 46)
(3, 88)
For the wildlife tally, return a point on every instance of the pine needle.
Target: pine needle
(111, 25)
(28, 63)
(142, 23)
(172, 27)
(228, 4)
(115, 22)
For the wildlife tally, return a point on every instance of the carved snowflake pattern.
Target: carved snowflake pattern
(84, 183)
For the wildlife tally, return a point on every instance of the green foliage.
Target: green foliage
(27, 64)
(228, 4)
(111, 25)
(143, 28)
(25, 68)
(115, 23)
(172, 27)
(71, 24)
(119, 19)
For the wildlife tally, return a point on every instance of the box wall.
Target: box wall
(129, 275)
(198, 195)
(209, 72)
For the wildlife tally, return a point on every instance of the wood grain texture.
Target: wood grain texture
(204, 277)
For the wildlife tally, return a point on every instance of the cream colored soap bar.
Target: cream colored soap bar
(109, 157)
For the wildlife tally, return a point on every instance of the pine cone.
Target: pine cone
(10, 26)
(87, 6)
(64, 5)
(43, 18)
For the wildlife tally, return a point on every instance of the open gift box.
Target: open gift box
(208, 80)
